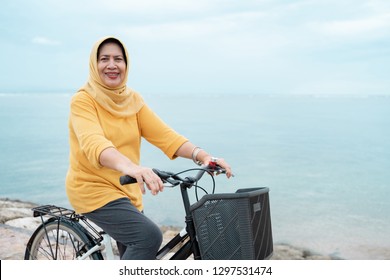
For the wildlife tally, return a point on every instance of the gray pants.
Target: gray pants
(137, 237)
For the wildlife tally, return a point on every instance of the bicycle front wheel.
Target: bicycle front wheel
(59, 240)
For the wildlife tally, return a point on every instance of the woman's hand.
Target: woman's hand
(113, 159)
(145, 175)
(220, 162)
(189, 150)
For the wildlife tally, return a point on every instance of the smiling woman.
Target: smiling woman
(111, 62)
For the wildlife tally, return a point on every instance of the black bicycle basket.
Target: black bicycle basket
(235, 226)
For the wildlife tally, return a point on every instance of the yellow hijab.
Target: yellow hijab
(121, 101)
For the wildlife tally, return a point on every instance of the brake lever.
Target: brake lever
(214, 168)
(220, 171)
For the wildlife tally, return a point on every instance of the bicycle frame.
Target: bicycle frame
(106, 246)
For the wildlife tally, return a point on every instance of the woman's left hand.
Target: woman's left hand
(220, 162)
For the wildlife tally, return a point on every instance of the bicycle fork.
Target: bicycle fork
(190, 227)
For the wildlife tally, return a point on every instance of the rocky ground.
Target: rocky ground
(17, 225)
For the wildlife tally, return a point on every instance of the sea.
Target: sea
(325, 160)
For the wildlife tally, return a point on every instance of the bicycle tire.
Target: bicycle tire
(59, 240)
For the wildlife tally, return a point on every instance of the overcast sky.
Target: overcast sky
(202, 46)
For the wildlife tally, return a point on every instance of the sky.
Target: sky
(202, 46)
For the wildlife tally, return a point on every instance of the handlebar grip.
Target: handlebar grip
(126, 179)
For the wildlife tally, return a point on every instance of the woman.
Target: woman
(106, 123)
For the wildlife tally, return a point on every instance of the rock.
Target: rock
(9, 203)
(287, 252)
(13, 209)
(29, 223)
(13, 242)
(14, 230)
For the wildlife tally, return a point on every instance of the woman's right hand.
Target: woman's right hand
(146, 176)
(112, 158)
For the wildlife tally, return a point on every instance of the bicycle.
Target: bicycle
(217, 226)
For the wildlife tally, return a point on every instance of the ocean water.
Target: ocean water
(326, 160)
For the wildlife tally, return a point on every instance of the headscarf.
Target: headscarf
(120, 101)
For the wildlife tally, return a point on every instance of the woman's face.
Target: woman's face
(111, 65)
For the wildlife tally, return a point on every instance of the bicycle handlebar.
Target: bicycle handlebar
(126, 179)
(174, 179)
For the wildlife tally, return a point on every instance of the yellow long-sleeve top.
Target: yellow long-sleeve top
(92, 129)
